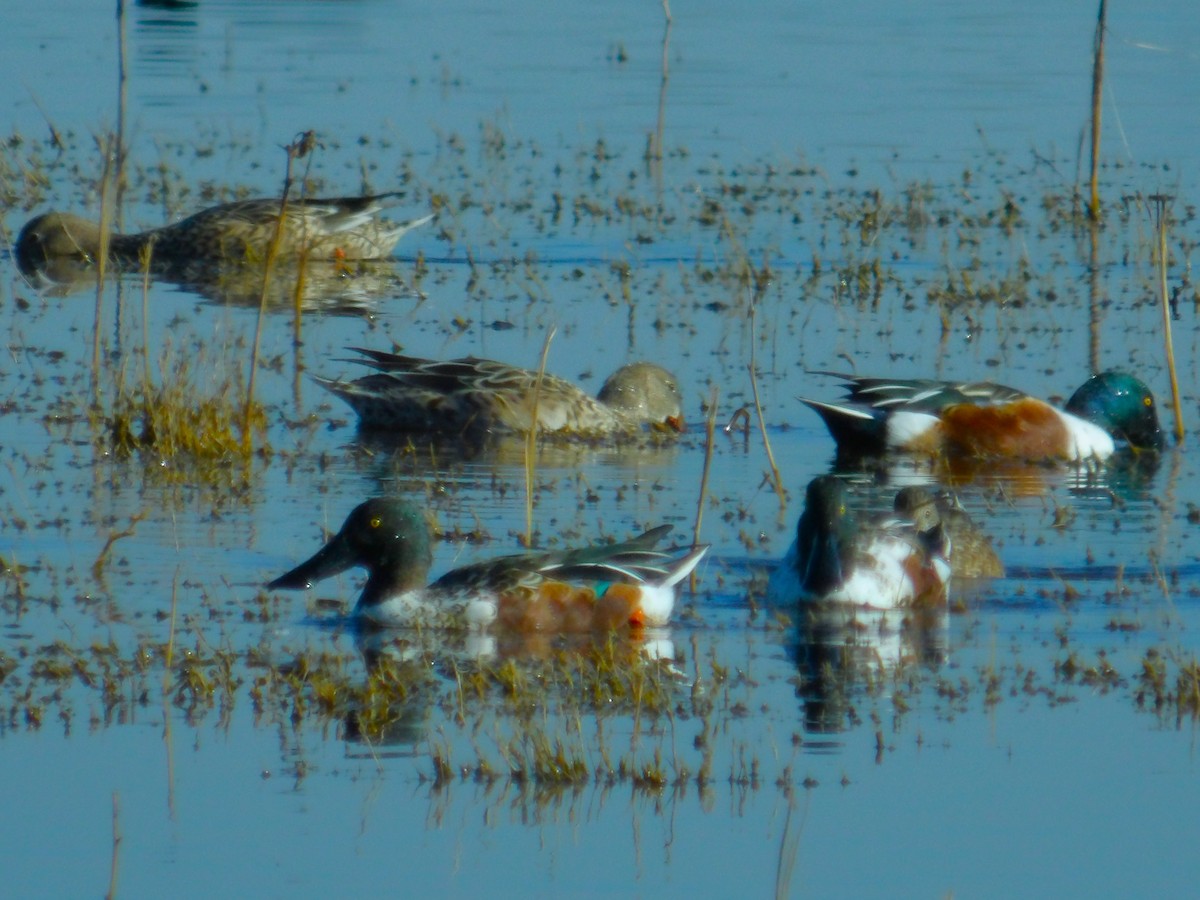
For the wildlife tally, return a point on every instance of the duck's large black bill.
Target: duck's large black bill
(336, 556)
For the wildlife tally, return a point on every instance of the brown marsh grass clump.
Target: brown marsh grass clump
(189, 414)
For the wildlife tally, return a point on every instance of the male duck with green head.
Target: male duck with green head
(597, 588)
(987, 420)
(881, 562)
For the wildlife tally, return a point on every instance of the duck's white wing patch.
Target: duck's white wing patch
(657, 601)
(658, 597)
(1086, 440)
(905, 428)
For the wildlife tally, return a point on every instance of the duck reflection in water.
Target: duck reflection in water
(410, 673)
(846, 654)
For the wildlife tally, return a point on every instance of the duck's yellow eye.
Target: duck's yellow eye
(376, 521)
(1148, 401)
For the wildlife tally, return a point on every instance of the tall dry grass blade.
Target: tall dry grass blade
(122, 106)
(169, 653)
(710, 430)
(302, 262)
(776, 478)
(789, 844)
(656, 152)
(1162, 204)
(168, 662)
(101, 561)
(531, 437)
(301, 146)
(106, 225)
(1096, 302)
(116, 847)
(1097, 95)
(144, 256)
(298, 296)
(117, 152)
(56, 140)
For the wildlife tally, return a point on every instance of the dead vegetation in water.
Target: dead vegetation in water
(190, 414)
(547, 719)
(553, 714)
(861, 227)
(1169, 685)
(541, 738)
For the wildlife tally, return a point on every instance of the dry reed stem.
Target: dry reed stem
(789, 846)
(1095, 304)
(56, 140)
(656, 154)
(168, 661)
(268, 264)
(776, 478)
(1161, 205)
(531, 437)
(710, 429)
(144, 256)
(116, 847)
(1097, 96)
(122, 106)
(106, 220)
(113, 185)
(169, 654)
(301, 146)
(302, 263)
(106, 551)
(298, 294)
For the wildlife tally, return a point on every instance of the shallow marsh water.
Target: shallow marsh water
(899, 188)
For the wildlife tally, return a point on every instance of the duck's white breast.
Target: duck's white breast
(420, 608)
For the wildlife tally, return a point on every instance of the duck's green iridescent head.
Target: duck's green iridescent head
(1122, 405)
(825, 501)
(824, 534)
(387, 537)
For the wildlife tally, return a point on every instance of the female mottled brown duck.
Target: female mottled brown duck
(474, 396)
(341, 228)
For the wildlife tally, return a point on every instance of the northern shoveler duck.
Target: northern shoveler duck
(597, 588)
(988, 420)
(880, 563)
(974, 555)
(473, 395)
(341, 228)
